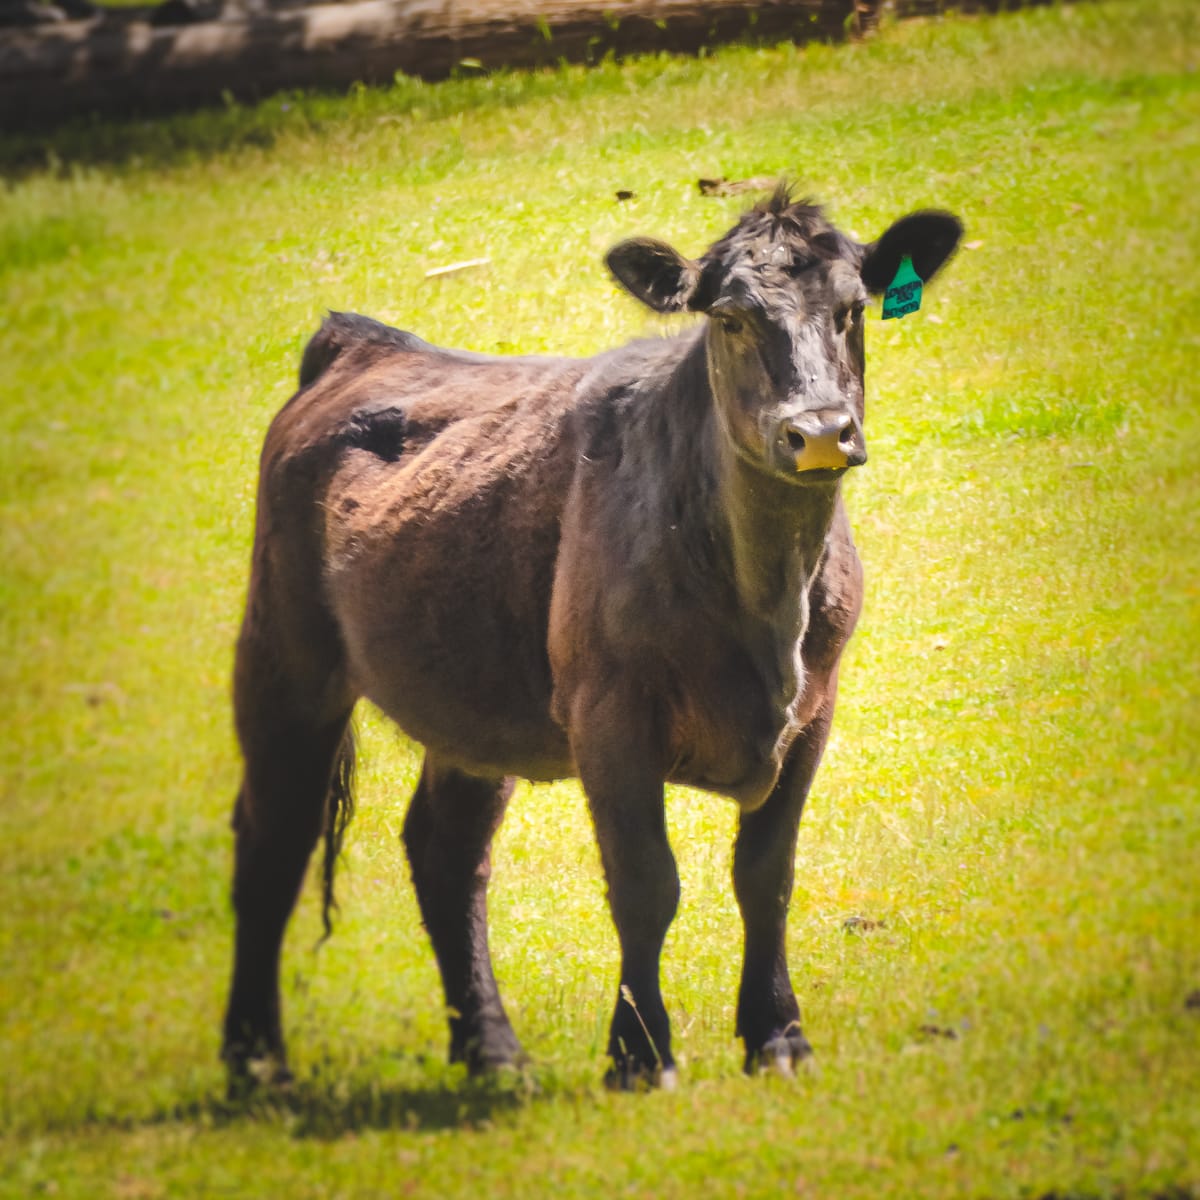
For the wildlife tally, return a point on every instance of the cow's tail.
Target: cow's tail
(339, 808)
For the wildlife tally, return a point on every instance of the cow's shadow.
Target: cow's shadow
(329, 1108)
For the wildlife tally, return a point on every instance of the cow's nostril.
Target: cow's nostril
(821, 441)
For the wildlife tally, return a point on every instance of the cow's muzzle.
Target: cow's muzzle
(827, 439)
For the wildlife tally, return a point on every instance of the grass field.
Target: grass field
(1011, 790)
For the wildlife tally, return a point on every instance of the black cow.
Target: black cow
(634, 569)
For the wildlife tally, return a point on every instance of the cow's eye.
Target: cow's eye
(728, 315)
(851, 315)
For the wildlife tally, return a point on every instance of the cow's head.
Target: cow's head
(785, 294)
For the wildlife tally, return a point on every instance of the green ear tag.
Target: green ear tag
(904, 292)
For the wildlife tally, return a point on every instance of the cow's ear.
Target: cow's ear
(928, 238)
(655, 273)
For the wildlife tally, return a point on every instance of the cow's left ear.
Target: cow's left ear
(928, 238)
(657, 274)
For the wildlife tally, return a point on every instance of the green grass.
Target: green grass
(1011, 787)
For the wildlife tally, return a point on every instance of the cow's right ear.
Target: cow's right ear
(654, 273)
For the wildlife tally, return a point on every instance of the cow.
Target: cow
(634, 569)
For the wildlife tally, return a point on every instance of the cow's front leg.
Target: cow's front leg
(622, 773)
(764, 857)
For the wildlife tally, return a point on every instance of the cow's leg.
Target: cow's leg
(292, 710)
(278, 818)
(448, 836)
(768, 1017)
(618, 765)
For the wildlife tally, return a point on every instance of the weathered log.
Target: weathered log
(76, 67)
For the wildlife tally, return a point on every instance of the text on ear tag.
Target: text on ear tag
(903, 295)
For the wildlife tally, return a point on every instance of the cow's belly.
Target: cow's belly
(442, 607)
(467, 703)
(473, 732)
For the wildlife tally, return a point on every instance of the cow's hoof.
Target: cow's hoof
(498, 1066)
(637, 1077)
(781, 1056)
(503, 1081)
(257, 1077)
(489, 1053)
(778, 1064)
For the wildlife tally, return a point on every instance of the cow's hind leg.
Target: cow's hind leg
(294, 730)
(448, 836)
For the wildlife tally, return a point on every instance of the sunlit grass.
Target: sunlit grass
(1010, 791)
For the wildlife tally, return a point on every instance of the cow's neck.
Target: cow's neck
(776, 536)
(768, 533)
(777, 533)
(760, 534)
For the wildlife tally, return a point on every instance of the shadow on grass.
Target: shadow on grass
(1170, 1192)
(151, 141)
(163, 139)
(327, 1109)
(160, 140)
